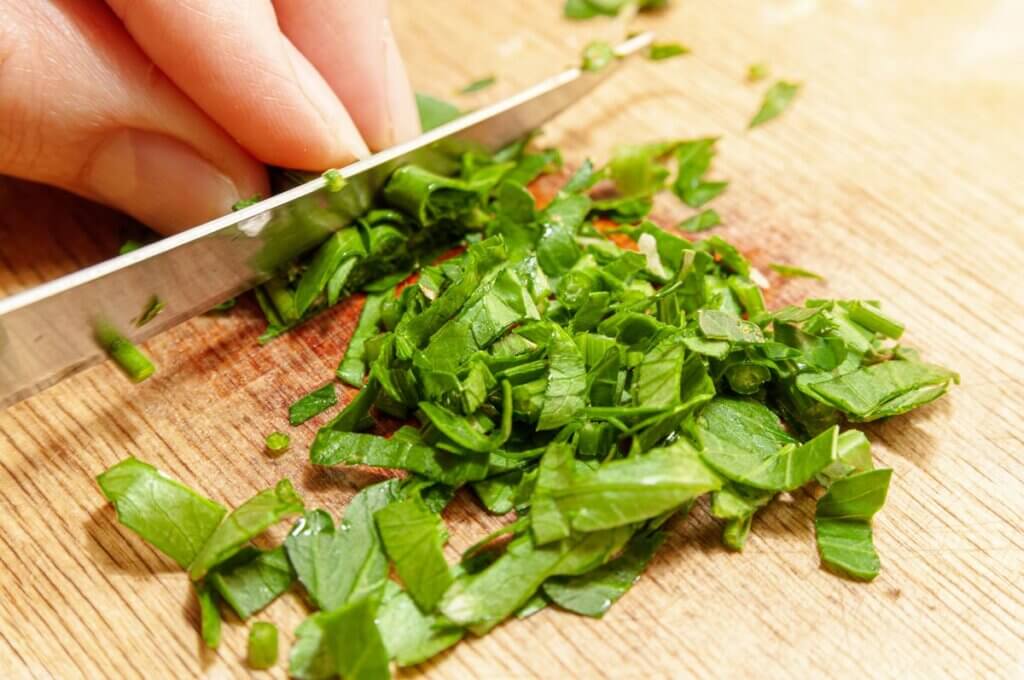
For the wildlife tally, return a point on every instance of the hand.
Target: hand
(168, 109)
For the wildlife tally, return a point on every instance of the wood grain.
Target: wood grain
(897, 173)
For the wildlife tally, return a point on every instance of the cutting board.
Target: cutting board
(897, 173)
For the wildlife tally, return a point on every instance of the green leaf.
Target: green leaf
(593, 593)
(660, 374)
(737, 504)
(790, 271)
(597, 55)
(343, 642)
(278, 443)
(742, 460)
(776, 99)
(435, 112)
(253, 579)
(412, 637)
(262, 646)
(128, 357)
(565, 395)
(881, 390)
(636, 169)
(694, 160)
(247, 521)
(667, 50)
(313, 404)
(702, 221)
(209, 616)
(843, 523)
(153, 307)
(352, 369)
(631, 490)
(345, 564)
(719, 325)
(167, 514)
(557, 250)
(331, 447)
(414, 539)
(478, 85)
(483, 599)
(340, 246)
(757, 72)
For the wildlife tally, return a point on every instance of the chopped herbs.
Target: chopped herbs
(152, 308)
(597, 55)
(702, 221)
(574, 363)
(334, 181)
(588, 9)
(278, 443)
(478, 85)
(794, 272)
(757, 72)
(661, 51)
(313, 404)
(435, 112)
(246, 202)
(776, 99)
(262, 645)
(125, 353)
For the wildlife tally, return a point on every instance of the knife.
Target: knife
(47, 333)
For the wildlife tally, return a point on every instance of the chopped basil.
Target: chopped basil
(125, 353)
(794, 272)
(757, 72)
(313, 404)
(702, 221)
(597, 55)
(478, 85)
(278, 443)
(776, 99)
(661, 51)
(262, 645)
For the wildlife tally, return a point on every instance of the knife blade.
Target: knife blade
(48, 332)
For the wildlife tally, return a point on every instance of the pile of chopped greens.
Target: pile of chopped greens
(578, 369)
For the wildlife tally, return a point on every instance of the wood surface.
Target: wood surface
(897, 173)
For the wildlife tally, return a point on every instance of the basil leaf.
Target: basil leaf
(245, 522)
(167, 514)
(313, 404)
(757, 72)
(262, 647)
(776, 99)
(478, 85)
(352, 368)
(794, 272)
(593, 593)
(343, 564)
(414, 538)
(881, 390)
(631, 490)
(564, 397)
(209, 616)
(843, 523)
(343, 642)
(702, 221)
(718, 325)
(737, 504)
(434, 112)
(412, 637)
(661, 51)
(483, 599)
(331, 447)
(252, 579)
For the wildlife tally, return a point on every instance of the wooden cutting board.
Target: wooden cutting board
(898, 173)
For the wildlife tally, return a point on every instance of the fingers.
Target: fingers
(233, 61)
(352, 46)
(82, 108)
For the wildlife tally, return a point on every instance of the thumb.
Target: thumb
(105, 124)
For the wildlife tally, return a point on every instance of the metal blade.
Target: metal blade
(48, 333)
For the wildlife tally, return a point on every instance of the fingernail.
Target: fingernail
(339, 126)
(158, 180)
